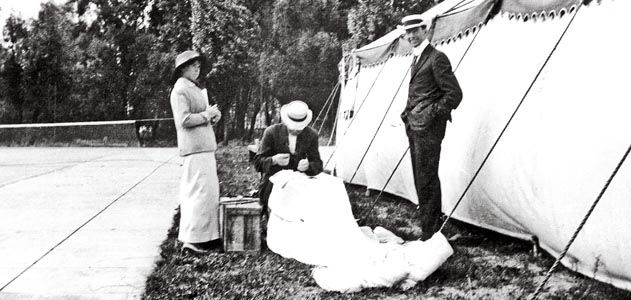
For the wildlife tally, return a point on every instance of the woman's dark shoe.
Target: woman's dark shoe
(214, 245)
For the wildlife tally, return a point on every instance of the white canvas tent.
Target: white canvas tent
(569, 63)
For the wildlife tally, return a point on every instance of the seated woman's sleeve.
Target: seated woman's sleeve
(263, 158)
(315, 162)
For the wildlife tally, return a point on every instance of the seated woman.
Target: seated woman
(310, 217)
(290, 145)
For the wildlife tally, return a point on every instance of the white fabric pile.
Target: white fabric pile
(311, 221)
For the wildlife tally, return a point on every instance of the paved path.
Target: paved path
(83, 223)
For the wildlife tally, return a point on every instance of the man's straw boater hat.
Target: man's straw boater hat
(413, 21)
(296, 115)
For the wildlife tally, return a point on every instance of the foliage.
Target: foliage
(371, 19)
(12, 75)
(300, 59)
(47, 65)
(225, 32)
(90, 60)
(170, 23)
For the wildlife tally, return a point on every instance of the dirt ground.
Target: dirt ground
(485, 265)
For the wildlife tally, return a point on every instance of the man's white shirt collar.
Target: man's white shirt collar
(418, 50)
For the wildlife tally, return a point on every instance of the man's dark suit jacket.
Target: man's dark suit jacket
(275, 140)
(433, 92)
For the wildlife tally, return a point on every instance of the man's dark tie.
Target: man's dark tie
(414, 61)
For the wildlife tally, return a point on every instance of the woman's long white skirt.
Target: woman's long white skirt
(199, 199)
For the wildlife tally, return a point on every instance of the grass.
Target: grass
(485, 265)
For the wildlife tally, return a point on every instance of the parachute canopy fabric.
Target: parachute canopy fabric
(555, 156)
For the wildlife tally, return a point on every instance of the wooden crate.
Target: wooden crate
(240, 224)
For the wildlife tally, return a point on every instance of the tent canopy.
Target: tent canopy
(567, 101)
(455, 19)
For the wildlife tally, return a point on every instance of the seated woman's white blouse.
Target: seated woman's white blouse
(292, 143)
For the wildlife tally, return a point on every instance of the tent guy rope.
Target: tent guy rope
(385, 114)
(374, 202)
(327, 102)
(532, 83)
(326, 114)
(372, 205)
(359, 109)
(337, 116)
(580, 226)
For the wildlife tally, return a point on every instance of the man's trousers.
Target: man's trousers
(425, 153)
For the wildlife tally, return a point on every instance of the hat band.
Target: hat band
(413, 22)
(298, 119)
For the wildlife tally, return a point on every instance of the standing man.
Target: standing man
(433, 93)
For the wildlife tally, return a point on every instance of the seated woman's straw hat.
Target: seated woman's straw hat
(296, 115)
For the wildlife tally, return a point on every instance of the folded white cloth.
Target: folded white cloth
(400, 265)
(311, 221)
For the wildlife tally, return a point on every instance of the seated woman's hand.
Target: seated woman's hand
(303, 165)
(281, 159)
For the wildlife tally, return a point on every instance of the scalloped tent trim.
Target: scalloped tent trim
(533, 10)
(539, 16)
(546, 14)
(458, 23)
(460, 35)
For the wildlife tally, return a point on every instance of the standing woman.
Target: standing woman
(199, 186)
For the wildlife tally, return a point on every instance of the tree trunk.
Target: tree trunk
(222, 125)
(254, 115)
(227, 128)
(268, 117)
(20, 112)
(243, 98)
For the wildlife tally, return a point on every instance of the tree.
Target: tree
(300, 58)
(114, 61)
(225, 32)
(371, 19)
(170, 22)
(12, 71)
(118, 28)
(48, 64)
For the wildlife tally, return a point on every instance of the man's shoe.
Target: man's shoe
(194, 248)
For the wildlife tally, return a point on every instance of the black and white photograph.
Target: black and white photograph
(315, 149)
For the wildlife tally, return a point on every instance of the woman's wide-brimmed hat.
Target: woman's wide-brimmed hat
(296, 115)
(185, 57)
(182, 59)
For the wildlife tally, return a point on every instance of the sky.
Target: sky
(25, 8)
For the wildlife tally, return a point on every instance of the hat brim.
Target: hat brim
(406, 27)
(294, 125)
(176, 72)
